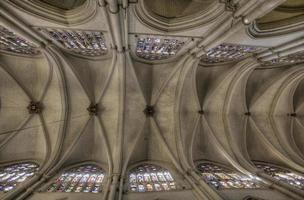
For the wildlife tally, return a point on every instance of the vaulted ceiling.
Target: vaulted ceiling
(172, 82)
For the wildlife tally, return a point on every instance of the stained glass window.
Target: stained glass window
(230, 52)
(222, 178)
(87, 178)
(289, 59)
(88, 43)
(283, 175)
(12, 175)
(9, 41)
(148, 178)
(152, 48)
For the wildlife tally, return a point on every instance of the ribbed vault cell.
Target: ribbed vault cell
(176, 8)
(288, 14)
(65, 4)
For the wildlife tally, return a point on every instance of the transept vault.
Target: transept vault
(156, 100)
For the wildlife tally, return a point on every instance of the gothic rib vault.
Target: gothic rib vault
(101, 87)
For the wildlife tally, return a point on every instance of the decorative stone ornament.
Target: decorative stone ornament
(35, 107)
(149, 111)
(247, 113)
(230, 5)
(93, 109)
(201, 112)
(292, 114)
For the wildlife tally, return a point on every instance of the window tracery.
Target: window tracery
(86, 178)
(289, 59)
(149, 178)
(11, 42)
(283, 175)
(229, 52)
(12, 175)
(87, 43)
(152, 48)
(222, 178)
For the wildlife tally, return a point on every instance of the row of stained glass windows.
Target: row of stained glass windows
(92, 43)
(144, 178)
(222, 178)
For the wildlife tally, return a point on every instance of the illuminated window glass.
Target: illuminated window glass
(289, 59)
(9, 41)
(85, 178)
(148, 178)
(152, 48)
(222, 178)
(12, 175)
(230, 52)
(283, 175)
(88, 43)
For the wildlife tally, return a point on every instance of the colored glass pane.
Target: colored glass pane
(151, 48)
(222, 178)
(12, 175)
(148, 178)
(86, 178)
(286, 176)
(10, 41)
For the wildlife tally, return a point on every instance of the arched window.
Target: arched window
(148, 178)
(86, 178)
(11, 42)
(283, 175)
(12, 175)
(222, 178)
(87, 43)
(156, 48)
